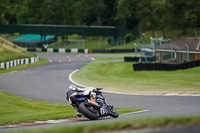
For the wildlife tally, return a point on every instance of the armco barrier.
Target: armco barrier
(136, 59)
(67, 50)
(165, 67)
(75, 50)
(55, 50)
(60, 50)
(112, 50)
(131, 59)
(81, 50)
(50, 50)
(13, 63)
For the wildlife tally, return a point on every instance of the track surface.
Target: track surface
(49, 83)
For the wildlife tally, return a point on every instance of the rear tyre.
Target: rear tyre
(87, 112)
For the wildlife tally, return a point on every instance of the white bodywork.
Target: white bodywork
(85, 91)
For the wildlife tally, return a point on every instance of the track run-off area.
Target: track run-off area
(49, 83)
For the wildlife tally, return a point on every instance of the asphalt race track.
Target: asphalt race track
(49, 83)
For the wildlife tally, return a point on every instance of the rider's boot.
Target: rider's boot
(77, 112)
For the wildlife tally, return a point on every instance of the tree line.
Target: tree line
(141, 15)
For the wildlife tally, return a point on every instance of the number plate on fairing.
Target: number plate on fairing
(103, 110)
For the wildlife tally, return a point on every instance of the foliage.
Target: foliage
(129, 37)
(128, 14)
(3, 8)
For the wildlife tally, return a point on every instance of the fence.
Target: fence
(136, 59)
(13, 63)
(165, 67)
(112, 50)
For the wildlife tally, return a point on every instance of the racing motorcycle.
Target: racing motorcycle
(90, 102)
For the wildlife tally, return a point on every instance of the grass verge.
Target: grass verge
(20, 67)
(15, 109)
(133, 124)
(120, 77)
(10, 55)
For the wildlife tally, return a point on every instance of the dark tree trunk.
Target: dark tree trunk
(153, 33)
(195, 30)
(163, 33)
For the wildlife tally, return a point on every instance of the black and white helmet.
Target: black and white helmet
(72, 87)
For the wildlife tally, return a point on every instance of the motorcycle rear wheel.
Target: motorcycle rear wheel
(87, 113)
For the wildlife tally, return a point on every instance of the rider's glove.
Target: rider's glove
(99, 88)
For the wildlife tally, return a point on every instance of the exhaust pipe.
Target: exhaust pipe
(93, 103)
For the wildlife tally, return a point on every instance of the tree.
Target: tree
(175, 15)
(144, 15)
(109, 12)
(44, 12)
(57, 13)
(96, 11)
(80, 12)
(126, 10)
(158, 18)
(29, 11)
(192, 14)
(3, 8)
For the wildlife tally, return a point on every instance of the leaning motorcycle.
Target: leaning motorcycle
(90, 102)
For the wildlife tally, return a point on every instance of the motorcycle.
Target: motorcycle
(90, 102)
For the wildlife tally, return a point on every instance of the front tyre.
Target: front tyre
(114, 113)
(87, 112)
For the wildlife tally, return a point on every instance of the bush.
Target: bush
(129, 37)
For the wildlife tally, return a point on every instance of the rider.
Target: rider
(73, 90)
(73, 87)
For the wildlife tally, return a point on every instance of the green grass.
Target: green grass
(90, 43)
(15, 109)
(128, 110)
(134, 124)
(10, 55)
(120, 77)
(20, 67)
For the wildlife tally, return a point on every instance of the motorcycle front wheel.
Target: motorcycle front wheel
(114, 113)
(87, 112)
